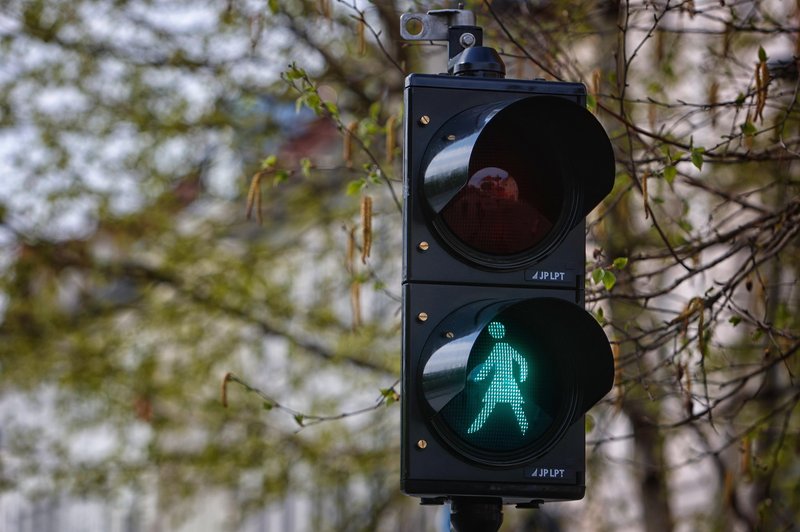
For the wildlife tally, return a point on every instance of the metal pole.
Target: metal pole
(471, 514)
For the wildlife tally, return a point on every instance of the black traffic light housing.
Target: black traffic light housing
(500, 359)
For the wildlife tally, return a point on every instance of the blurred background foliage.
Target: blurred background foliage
(200, 252)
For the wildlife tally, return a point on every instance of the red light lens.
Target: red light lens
(506, 209)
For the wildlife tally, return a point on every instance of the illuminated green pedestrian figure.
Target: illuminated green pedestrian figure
(504, 387)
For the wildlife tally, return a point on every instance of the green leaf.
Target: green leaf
(370, 127)
(273, 6)
(655, 87)
(748, 128)
(762, 55)
(305, 166)
(266, 405)
(609, 280)
(599, 315)
(280, 177)
(298, 418)
(390, 395)
(295, 72)
(332, 109)
(374, 110)
(269, 162)
(620, 263)
(697, 157)
(597, 275)
(314, 102)
(354, 187)
(735, 320)
(670, 172)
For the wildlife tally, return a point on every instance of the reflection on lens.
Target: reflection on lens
(496, 214)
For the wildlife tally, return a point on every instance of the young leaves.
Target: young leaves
(697, 157)
(606, 275)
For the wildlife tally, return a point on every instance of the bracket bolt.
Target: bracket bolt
(423, 246)
(422, 316)
(424, 120)
(466, 40)
(422, 444)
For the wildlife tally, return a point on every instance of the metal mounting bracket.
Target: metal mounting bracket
(435, 24)
(456, 26)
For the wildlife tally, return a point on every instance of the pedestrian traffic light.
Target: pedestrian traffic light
(500, 359)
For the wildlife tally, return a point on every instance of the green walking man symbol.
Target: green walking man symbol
(504, 387)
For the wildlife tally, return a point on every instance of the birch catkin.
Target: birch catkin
(366, 227)
(350, 258)
(390, 138)
(325, 8)
(347, 147)
(355, 301)
(362, 41)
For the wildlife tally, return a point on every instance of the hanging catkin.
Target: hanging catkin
(366, 227)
